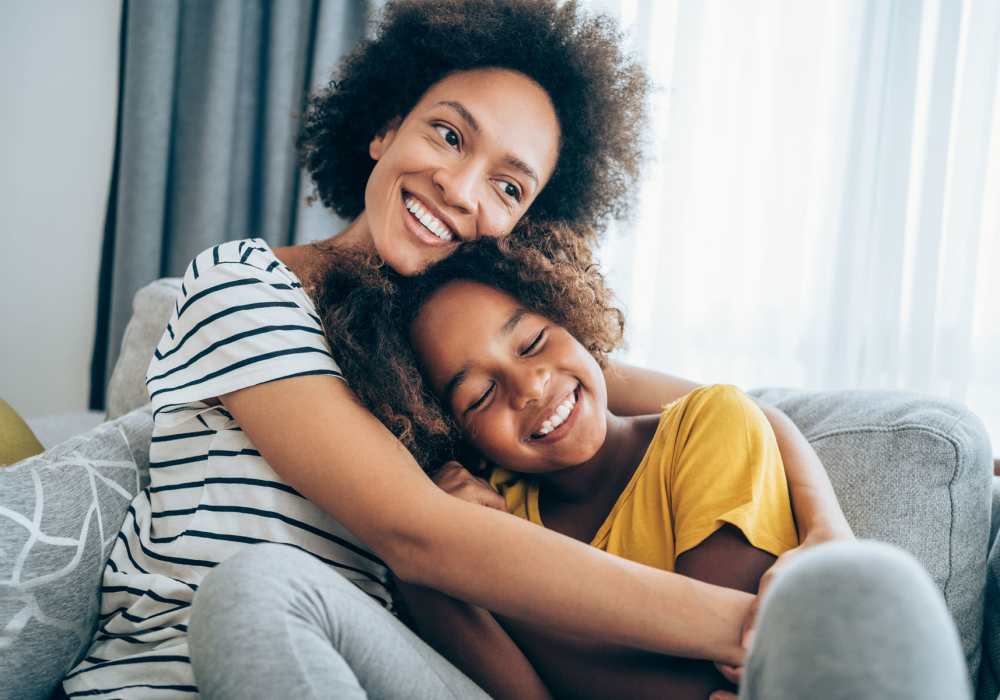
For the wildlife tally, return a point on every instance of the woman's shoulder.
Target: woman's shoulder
(247, 257)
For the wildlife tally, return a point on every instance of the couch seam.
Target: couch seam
(946, 436)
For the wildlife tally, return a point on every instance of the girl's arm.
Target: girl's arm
(315, 433)
(634, 391)
(474, 641)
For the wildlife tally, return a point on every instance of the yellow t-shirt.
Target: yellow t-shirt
(713, 460)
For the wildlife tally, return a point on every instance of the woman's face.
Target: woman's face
(472, 155)
(510, 376)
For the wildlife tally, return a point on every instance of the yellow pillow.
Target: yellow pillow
(17, 442)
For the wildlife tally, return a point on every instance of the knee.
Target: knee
(850, 577)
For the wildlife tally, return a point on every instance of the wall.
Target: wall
(58, 103)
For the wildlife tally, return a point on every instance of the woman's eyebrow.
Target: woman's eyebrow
(456, 381)
(510, 159)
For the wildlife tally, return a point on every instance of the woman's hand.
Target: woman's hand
(735, 673)
(456, 480)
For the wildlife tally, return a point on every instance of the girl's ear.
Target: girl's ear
(384, 138)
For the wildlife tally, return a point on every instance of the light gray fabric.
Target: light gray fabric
(60, 512)
(912, 470)
(208, 121)
(151, 310)
(989, 675)
(855, 621)
(274, 622)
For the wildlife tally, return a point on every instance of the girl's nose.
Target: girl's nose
(529, 386)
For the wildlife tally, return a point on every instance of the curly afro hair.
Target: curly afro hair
(599, 94)
(367, 310)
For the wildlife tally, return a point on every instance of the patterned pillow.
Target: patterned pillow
(59, 515)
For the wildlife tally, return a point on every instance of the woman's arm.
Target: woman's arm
(315, 433)
(474, 641)
(634, 391)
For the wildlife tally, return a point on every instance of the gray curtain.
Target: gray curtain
(209, 99)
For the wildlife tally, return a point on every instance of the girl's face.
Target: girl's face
(527, 395)
(472, 155)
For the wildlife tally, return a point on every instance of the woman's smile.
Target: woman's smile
(425, 226)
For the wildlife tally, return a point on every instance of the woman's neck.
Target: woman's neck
(603, 476)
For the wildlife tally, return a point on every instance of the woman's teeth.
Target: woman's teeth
(430, 222)
(559, 417)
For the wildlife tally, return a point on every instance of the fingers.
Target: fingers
(457, 481)
(733, 674)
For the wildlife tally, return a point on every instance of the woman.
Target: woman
(470, 114)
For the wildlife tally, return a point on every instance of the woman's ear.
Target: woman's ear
(384, 138)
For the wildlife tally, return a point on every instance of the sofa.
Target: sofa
(909, 469)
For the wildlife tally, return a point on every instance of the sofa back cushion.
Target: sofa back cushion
(151, 309)
(60, 512)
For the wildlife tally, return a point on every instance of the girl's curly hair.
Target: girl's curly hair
(598, 92)
(367, 310)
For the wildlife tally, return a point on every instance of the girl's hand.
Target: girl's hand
(734, 673)
(456, 480)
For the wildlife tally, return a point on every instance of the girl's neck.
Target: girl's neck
(603, 476)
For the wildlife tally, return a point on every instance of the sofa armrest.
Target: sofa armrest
(151, 309)
(913, 470)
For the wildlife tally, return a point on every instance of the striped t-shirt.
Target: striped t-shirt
(242, 319)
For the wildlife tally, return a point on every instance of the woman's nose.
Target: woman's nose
(457, 184)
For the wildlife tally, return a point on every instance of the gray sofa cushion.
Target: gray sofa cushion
(60, 512)
(151, 308)
(913, 470)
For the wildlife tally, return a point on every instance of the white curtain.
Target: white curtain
(823, 209)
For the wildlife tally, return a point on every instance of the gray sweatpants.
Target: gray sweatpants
(849, 620)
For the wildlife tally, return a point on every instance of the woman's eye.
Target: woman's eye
(478, 402)
(534, 343)
(512, 191)
(445, 132)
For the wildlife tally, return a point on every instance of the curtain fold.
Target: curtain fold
(210, 98)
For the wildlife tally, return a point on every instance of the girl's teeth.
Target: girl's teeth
(559, 417)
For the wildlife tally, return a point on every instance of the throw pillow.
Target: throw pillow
(60, 512)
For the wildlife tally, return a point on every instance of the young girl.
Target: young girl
(512, 347)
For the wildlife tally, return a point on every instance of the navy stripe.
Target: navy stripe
(179, 688)
(227, 480)
(273, 265)
(140, 592)
(184, 290)
(216, 316)
(162, 557)
(171, 513)
(135, 618)
(246, 254)
(282, 285)
(234, 453)
(175, 462)
(130, 660)
(239, 364)
(135, 633)
(111, 563)
(170, 331)
(233, 339)
(215, 255)
(308, 373)
(217, 288)
(128, 551)
(180, 436)
(242, 245)
(194, 267)
(291, 521)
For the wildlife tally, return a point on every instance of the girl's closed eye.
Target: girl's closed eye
(479, 402)
(534, 343)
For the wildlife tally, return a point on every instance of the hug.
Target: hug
(401, 462)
